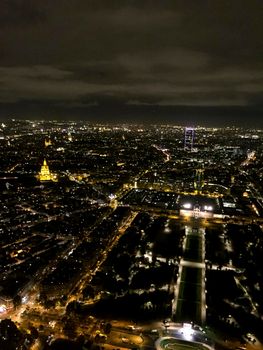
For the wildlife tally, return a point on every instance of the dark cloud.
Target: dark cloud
(144, 57)
(15, 13)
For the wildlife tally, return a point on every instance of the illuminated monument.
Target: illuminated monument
(45, 174)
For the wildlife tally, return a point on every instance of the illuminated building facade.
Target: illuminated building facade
(45, 174)
(48, 142)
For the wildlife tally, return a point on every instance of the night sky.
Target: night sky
(179, 61)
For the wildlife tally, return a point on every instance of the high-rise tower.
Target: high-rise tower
(188, 139)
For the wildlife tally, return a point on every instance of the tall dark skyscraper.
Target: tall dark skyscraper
(188, 139)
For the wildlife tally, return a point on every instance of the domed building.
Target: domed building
(45, 174)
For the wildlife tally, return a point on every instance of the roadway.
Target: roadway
(32, 288)
(77, 290)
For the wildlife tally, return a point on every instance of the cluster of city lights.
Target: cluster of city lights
(2, 309)
(187, 205)
(208, 207)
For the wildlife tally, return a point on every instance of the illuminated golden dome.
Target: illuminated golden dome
(45, 174)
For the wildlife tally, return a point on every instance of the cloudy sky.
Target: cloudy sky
(181, 61)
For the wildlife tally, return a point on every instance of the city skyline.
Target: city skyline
(130, 236)
(132, 61)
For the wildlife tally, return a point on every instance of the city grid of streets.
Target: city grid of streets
(137, 239)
